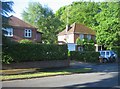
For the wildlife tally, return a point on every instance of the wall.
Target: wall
(38, 64)
(61, 38)
(18, 34)
(70, 38)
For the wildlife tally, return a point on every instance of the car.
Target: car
(108, 56)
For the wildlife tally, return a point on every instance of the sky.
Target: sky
(20, 5)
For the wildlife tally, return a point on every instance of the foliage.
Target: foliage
(6, 58)
(26, 41)
(88, 44)
(79, 12)
(109, 24)
(116, 49)
(6, 8)
(7, 40)
(85, 56)
(79, 41)
(100, 16)
(89, 47)
(44, 19)
(35, 52)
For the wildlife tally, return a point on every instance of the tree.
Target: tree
(6, 8)
(109, 25)
(103, 17)
(79, 12)
(44, 19)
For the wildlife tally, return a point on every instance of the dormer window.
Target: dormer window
(28, 33)
(8, 32)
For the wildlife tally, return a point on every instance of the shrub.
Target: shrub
(117, 50)
(85, 56)
(35, 52)
(26, 41)
(89, 47)
(7, 59)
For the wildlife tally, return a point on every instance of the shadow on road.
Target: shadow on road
(104, 83)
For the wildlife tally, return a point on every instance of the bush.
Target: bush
(85, 56)
(117, 50)
(6, 59)
(26, 41)
(35, 52)
(89, 47)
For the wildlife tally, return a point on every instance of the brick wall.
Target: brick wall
(37, 64)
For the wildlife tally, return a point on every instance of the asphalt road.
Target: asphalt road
(105, 75)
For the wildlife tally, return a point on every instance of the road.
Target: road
(105, 75)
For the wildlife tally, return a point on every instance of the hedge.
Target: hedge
(89, 47)
(117, 50)
(34, 52)
(85, 56)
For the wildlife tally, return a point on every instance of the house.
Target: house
(18, 30)
(72, 32)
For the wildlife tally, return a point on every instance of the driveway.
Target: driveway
(103, 67)
(103, 75)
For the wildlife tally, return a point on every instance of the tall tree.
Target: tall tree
(44, 19)
(103, 17)
(80, 12)
(109, 24)
(6, 8)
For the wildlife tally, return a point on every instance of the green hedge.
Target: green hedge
(85, 56)
(117, 50)
(89, 47)
(34, 52)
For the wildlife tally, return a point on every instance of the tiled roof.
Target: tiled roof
(16, 22)
(78, 28)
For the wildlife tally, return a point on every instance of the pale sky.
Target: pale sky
(20, 5)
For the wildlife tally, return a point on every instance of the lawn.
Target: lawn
(36, 73)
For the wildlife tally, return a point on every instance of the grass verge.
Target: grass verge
(44, 73)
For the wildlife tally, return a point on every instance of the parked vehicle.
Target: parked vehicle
(108, 56)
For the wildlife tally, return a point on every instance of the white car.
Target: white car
(108, 56)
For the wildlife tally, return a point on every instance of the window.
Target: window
(81, 36)
(28, 33)
(102, 53)
(107, 53)
(89, 37)
(8, 32)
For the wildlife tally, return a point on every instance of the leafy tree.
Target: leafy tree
(109, 25)
(80, 12)
(103, 17)
(44, 19)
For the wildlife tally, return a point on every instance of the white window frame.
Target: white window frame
(88, 36)
(9, 32)
(28, 33)
(81, 36)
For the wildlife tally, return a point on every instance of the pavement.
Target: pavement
(103, 75)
